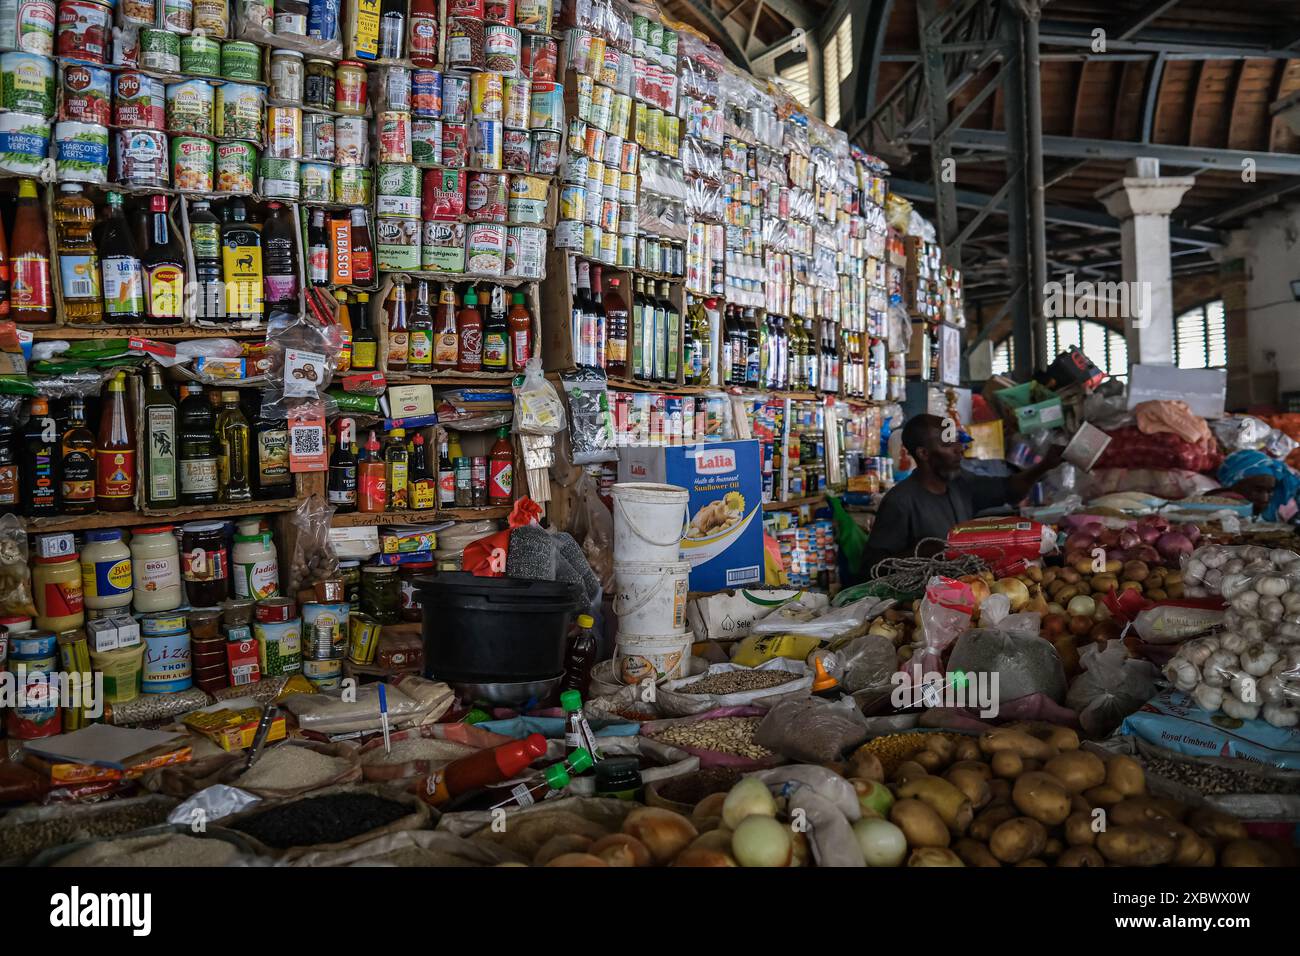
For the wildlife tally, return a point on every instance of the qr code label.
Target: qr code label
(308, 441)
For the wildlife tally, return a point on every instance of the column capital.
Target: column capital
(1144, 195)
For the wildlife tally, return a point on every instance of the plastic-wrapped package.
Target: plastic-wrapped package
(15, 577)
(312, 556)
(538, 408)
(812, 730)
(1024, 665)
(302, 351)
(591, 427)
(411, 702)
(1111, 687)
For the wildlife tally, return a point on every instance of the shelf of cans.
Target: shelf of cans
(808, 552)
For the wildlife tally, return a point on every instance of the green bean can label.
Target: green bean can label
(200, 56)
(241, 60)
(27, 83)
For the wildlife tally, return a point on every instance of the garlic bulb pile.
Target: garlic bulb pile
(1205, 570)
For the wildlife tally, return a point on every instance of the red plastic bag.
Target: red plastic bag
(486, 557)
(1007, 544)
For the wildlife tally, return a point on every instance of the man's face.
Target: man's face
(945, 457)
(1257, 489)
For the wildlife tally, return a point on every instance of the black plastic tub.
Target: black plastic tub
(494, 629)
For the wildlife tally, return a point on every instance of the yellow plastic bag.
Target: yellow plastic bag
(754, 650)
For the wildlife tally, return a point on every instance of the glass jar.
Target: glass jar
(618, 777)
(105, 570)
(57, 591)
(238, 612)
(410, 596)
(288, 76)
(350, 572)
(381, 595)
(318, 91)
(205, 563)
(350, 88)
(156, 569)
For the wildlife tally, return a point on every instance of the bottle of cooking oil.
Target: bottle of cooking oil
(74, 218)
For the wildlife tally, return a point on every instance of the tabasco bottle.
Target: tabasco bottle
(164, 267)
(446, 341)
(469, 331)
(501, 467)
(31, 296)
(115, 450)
(365, 345)
(372, 480)
(521, 333)
(399, 338)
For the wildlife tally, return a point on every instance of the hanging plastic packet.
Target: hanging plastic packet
(538, 409)
(301, 352)
(591, 427)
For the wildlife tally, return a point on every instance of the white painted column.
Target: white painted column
(1142, 201)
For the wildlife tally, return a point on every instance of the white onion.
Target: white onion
(882, 843)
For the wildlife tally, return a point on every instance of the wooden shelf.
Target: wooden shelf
(451, 379)
(124, 519)
(794, 503)
(160, 333)
(666, 388)
(359, 519)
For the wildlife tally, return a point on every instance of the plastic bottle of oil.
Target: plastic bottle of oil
(74, 218)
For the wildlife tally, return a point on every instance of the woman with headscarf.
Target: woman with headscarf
(1265, 482)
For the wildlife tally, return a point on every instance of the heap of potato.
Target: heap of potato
(1026, 795)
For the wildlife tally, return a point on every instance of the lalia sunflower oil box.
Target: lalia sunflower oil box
(723, 534)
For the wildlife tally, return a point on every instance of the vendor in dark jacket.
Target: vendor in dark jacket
(937, 494)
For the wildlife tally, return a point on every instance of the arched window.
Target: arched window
(1106, 347)
(1201, 337)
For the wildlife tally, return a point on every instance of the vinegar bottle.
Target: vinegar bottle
(74, 220)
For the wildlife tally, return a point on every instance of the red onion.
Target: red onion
(1193, 531)
(1145, 553)
(1129, 539)
(1173, 545)
(1093, 529)
(1148, 534)
(1079, 541)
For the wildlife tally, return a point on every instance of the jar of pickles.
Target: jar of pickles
(381, 594)
(350, 573)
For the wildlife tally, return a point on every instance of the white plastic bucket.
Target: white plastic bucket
(657, 656)
(648, 521)
(650, 598)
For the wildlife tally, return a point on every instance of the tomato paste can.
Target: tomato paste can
(281, 178)
(394, 132)
(546, 107)
(192, 163)
(485, 94)
(443, 194)
(455, 98)
(189, 108)
(517, 102)
(465, 8)
(87, 94)
(350, 90)
(27, 83)
(485, 249)
(139, 102)
(140, 157)
(516, 150)
(317, 182)
(538, 58)
(85, 31)
(236, 167)
(426, 93)
(426, 142)
(485, 144)
(284, 132)
(485, 197)
(442, 246)
(241, 61)
(160, 50)
(455, 145)
(318, 137)
(499, 11)
(351, 142)
(200, 56)
(525, 252)
(35, 26)
(501, 48)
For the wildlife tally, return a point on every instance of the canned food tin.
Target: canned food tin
(464, 46)
(397, 243)
(627, 187)
(163, 622)
(628, 218)
(394, 130)
(485, 144)
(352, 185)
(32, 647)
(442, 246)
(189, 108)
(363, 638)
(517, 102)
(211, 16)
(350, 88)
(628, 162)
(568, 234)
(200, 56)
(525, 252)
(192, 163)
(81, 151)
(576, 169)
(573, 203)
(595, 145)
(280, 178)
(501, 48)
(236, 167)
(318, 89)
(582, 90)
(140, 157)
(139, 102)
(485, 94)
(455, 98)
(626, 250)
(546, 107)
(426, 141)
(87, 94)
(609, 216)
(239, 112)
(288, 76)
(139, 12)
(528, 197)
(499, 11)
(611, 183)
(426, 93)
(516, 150)
(321, 670)
(317, 182)
(465, 8)
(351, 144)
(534, 15)
(284, 133)
(455, 145)
(318, 137)
(27, 84)
(485, 197)
(395, 88)
(275, 609)
(443, 194)
(85, 31)
(279, 645)
(613, 151)
(160, 50)
(33, 23)
(485, 249)
(241, 61)
(546, 151)
(397, 191)
(602, 106)
(539, 57)
(608, 250)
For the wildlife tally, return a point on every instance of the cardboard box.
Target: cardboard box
(1033, 407)
(729, 615)
(1203, 389)
(233, 729)
(411, 401)
(987, 442)
(724, 480)
(405, 540)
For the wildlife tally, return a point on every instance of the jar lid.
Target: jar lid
(617, 773)
(275, 53)
(104, 534)
(378, 569)
(56, 558)
(263, 536)
(155, 529)
(349, 564)
(200, 527)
